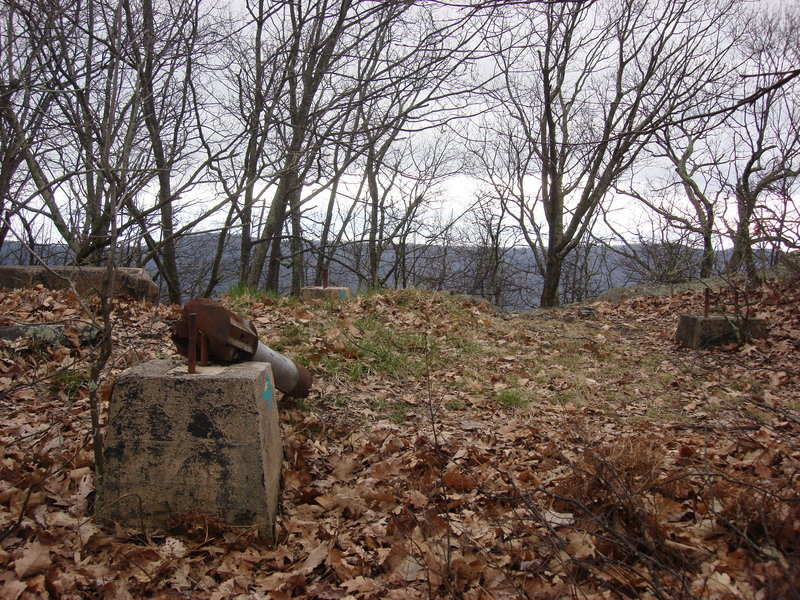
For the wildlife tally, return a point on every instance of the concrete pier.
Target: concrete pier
(87, 280)
(697, 331)
(325, 293)
(178, 443)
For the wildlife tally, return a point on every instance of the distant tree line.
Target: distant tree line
(291, 137)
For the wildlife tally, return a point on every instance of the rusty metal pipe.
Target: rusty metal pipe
(290, 377)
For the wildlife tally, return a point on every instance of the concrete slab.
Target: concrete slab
(697, 331)
(325, 293)
(176, 443)
(87, 280)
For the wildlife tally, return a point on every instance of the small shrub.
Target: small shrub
(610, 488)
(756, 516)
(70, 382)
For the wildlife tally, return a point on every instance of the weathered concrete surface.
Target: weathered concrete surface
(177, 443)
(87, 280)
(697, 331)
(325, 293)
(45, 333)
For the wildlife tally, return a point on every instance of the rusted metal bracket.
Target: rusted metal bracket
(228, 337)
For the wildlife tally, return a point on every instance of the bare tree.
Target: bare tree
(585, 87)
(765, 135)
(90, 160)
(167, 46)
(282, 101)
(115, 79)
(338, 86)
(690, 147)
(490, 239)
(744, 160)
(315, 39)
(22, 114)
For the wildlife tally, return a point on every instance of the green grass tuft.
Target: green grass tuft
(512, 399)
(70, 382)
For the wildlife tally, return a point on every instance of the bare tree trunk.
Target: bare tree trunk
(296, 247)
(374, 221)
(552, 279)
(709, 256)
(742, 253)
(169, 264)
(271, 239)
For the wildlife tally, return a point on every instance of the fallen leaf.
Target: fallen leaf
(34, 559)
(12, 590)
(557, 519)
(315, 558)
(580, 545)
(344, 468)
(361, 585)
(459, 481)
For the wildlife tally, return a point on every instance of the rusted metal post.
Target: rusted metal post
(706, 303)
(325, 277)
(192, 348)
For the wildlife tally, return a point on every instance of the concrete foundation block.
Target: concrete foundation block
(177, 443)
(325, 293)
(696, 331)
(87, 280)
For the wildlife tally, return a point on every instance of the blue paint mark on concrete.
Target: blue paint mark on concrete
(341, 294)
(267, 394)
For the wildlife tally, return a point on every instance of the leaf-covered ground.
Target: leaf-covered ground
(448, 450)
